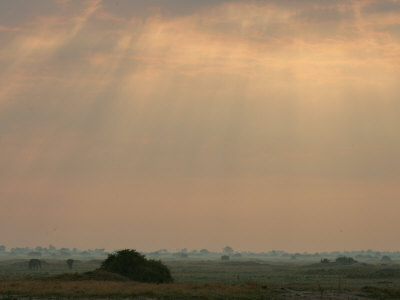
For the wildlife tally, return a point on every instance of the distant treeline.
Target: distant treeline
(366, 254)
(185, 253)
(51, 251)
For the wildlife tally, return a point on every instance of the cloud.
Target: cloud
(19, 13)
(382, 7)
(15, 13)
(195, 104)
(232, 90)
(136, 8)
(323, 15)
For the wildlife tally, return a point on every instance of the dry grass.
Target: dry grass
(205, 280)
(101, 289)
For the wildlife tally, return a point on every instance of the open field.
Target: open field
(211, 279)
(101, 289)
(22, 289)
(18, 268)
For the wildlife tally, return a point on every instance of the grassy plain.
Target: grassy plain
(210, 279)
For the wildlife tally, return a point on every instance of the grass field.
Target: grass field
(211, 279)
(101, 289)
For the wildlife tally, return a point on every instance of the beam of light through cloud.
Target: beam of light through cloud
(256, 113)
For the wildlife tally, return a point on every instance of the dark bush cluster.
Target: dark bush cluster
(386, 259)
(135, 266)
(325, 261)
(344, 260)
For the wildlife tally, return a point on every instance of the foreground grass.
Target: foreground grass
(107, 289)
(197, 279)
(95, 289)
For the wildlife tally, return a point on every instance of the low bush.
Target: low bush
(344, 260)
(133, 265)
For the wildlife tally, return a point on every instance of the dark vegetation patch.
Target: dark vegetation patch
(355, 271)
(91, 275)
(91, 289)
(133, 265)
(344, 260)
(377, 273)
(380, 293)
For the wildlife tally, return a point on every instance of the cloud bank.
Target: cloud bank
(294, 103)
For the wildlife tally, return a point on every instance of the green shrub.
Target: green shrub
(135, 266)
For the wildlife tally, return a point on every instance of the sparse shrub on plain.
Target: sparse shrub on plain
(386, 259)
(225, 257)
(227, 250)
(204, 251)
(135, 266)
(344, 260)
(325, 261)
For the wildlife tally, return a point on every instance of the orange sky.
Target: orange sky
(169, 124)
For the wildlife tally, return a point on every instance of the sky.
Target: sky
(194, 124)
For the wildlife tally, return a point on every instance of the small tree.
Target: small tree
(135, 266)
(227, 250)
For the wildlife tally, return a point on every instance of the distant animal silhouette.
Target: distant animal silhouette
(70, 263)
(35, 264)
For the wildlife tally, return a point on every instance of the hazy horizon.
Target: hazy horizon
(263, 125)
(52, 250)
